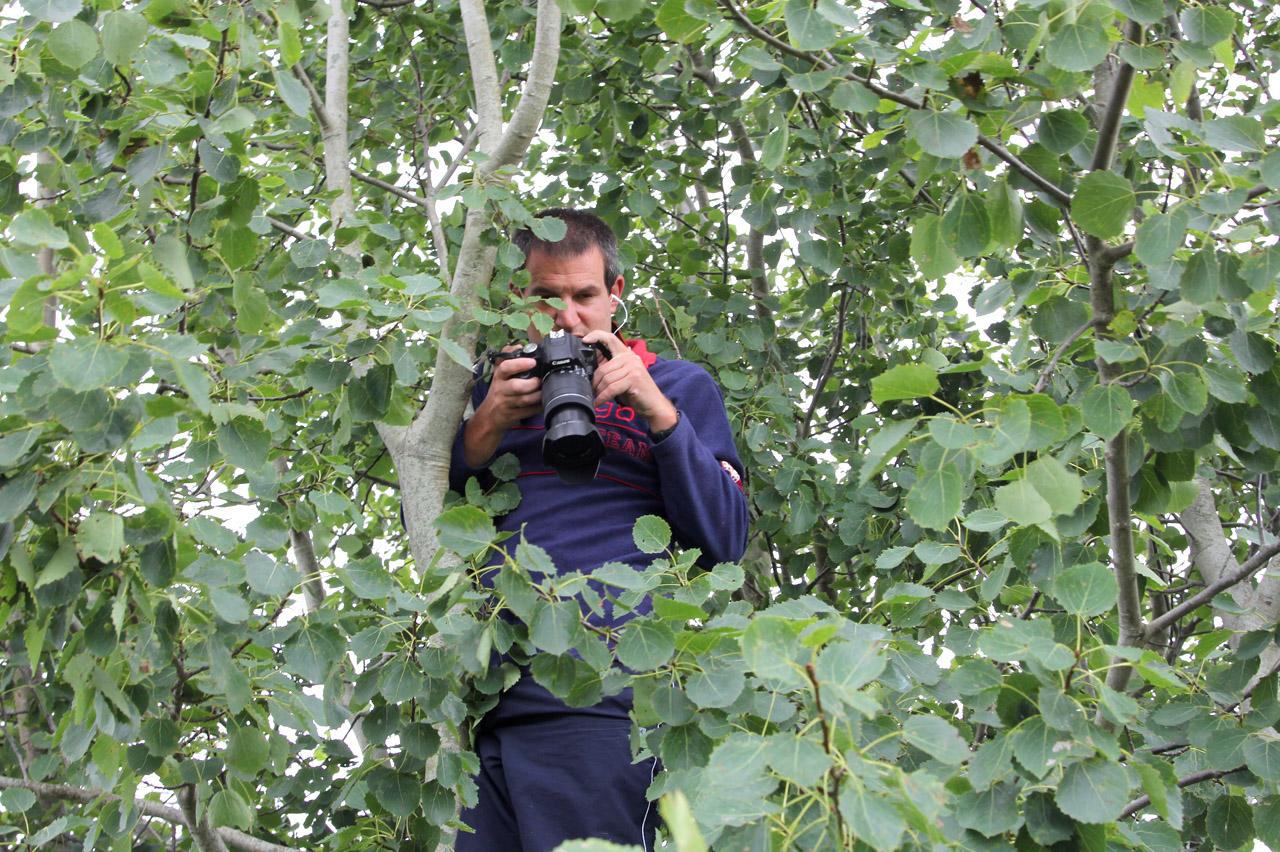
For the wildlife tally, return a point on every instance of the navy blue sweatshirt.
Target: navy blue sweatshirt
(692, 478)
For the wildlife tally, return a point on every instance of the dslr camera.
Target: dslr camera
(571, 445)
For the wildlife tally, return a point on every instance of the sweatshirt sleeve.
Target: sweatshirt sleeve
(702, 478)
(459, 470)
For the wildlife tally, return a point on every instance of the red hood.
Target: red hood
(646, 357)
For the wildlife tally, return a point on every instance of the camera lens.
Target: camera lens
(571, 445)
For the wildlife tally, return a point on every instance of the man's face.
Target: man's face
(579, 283)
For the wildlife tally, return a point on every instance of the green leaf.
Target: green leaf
(1235, 133)
(652, 534)
(678, 816)
(930, 249)
(268, 577)
(1161, 234)
(1058, 318)
(54, 11)
(771, 649)
(86, 364)
(905, 381)
(1269, 168)
(1207, 25)
(1199, 282)
(854, 97)
(1021, 503)
(314, 650)
(646, 644)
(466, 530)
(1060, 488)
(807, 29)
(1262, 754)
(846, 667)
(1045, 823)
(247, 751)
(399, 792)
(17, 800)
(966, 224)
(1078, 47)
(1106, 410)
(228, 808)
(1103, 204)
(36, 229)
(715, 686)
(774, 150)
(937, 737)
(937, 497)
(554, 626)
(1230, 822)
(1061, 130)
(1093, 791)
(1142, 11)
(990, 812)
(1086, 590)
(885, 445)
(684, 746)
(871, 817)
(677, 23)
(73, 44)
(16, 495)
(801, 760)
(123, 32)
(942, 134)
(368, 578)
(222, 167)
(101, 536)
(245, 441)
(1187, 390)
(401, 680)
(1035, 745)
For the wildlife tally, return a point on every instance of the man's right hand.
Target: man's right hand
(509, 401)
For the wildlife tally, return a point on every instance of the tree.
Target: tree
(1009, 582)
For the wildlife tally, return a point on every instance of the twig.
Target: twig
(1043, 382)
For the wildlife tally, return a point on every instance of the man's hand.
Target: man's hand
(625, 378)
(509, 401)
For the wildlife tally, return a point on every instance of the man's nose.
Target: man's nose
(567, 318)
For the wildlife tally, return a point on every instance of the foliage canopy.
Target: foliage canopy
(990, 288)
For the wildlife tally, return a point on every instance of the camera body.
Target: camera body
(571, 445)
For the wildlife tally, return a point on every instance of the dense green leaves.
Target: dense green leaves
(955, 327)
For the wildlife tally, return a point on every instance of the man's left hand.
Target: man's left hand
(625, 378)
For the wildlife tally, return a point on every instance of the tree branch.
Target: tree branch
(391, 188)
(1109, 127)
(1002, 153)
(528, 114)
(1043, 381)
(1185, 781)
(146, 807)
(484, 72)
(337, 152)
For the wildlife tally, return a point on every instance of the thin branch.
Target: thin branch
(386, 4)
(1185, 781)
(391, 188)
(1109, 127)
(146, 807)
(995, 147)
(289, 230)
(1250, 567)
(837, 344)
(527, 117)
(1043, 382)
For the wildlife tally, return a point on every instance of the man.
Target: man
(549, 772)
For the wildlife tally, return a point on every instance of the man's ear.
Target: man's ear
(619, 285)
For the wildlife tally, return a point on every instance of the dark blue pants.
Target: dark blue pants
(549, 779)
